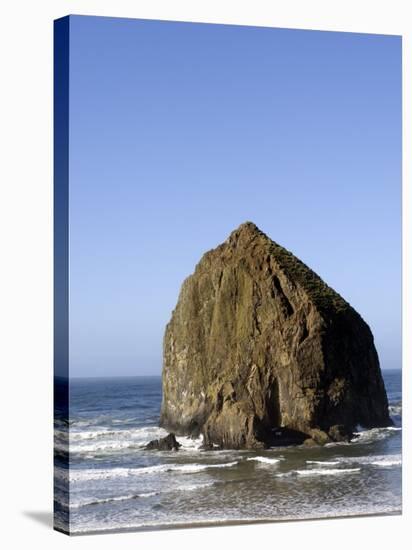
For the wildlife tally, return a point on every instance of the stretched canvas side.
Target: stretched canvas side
(61, 275)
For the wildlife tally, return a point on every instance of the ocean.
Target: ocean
(117, 485)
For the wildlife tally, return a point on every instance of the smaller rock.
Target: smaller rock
(310, 442)
(339, 433)
(168, 443)
(319, 436)
(211, 447)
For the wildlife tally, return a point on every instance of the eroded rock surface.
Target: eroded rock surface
(258, 342)
(168, 443)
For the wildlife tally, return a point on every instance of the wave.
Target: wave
(375, 434)
(323, 462)
(94, 502)
(193, 468)
(320, 472)
(106, 441)
(102, 432)
(374, 460)
(190, 444)
(264, 459)
(195, 487)
(105, 431)
(124, 420)
(385, 463)
(395, 409)
(367, 436)
(75, 475)
(83, 423)
(91, 450)
(369, 460)
(331, 471)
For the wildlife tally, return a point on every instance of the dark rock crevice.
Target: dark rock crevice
(278, 293)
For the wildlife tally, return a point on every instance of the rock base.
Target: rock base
(168, 443)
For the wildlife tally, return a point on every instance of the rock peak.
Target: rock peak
(245, 233)
(249, 227)
(246, 228)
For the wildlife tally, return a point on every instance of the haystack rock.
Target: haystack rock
(260, 351)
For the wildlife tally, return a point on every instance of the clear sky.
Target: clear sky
(180, 132)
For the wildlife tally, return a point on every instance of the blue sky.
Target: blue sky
(179, 132)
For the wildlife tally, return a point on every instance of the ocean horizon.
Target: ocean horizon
(390, 369)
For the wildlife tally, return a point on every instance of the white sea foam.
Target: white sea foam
(387, 462)
(98, 474)
(264, 459)
(375, 434)
(106, 441)
(95, 474)
(195, 487)
(190, 444)
(323, 462)
(395, 410)
(103, 447)
(364, 436)
(374, 460)
(102, 432)
(92, 502)
(325, 472)
(320, 472)
(193, 468)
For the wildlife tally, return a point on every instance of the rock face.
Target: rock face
(258, 343)
(168, 443)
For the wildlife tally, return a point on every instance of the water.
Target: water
(115, 484)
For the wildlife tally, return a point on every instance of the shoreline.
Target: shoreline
(224, 523)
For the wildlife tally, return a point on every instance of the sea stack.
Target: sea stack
(260, 351)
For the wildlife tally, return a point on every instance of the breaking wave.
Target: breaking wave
(264, 459)
(367, 436)
(375, 434)
(320, 472)
(386, 462)
(372, 460)
(106, 440)
(76, 475)
(323, 462)
(395, 409)
(94, 502)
